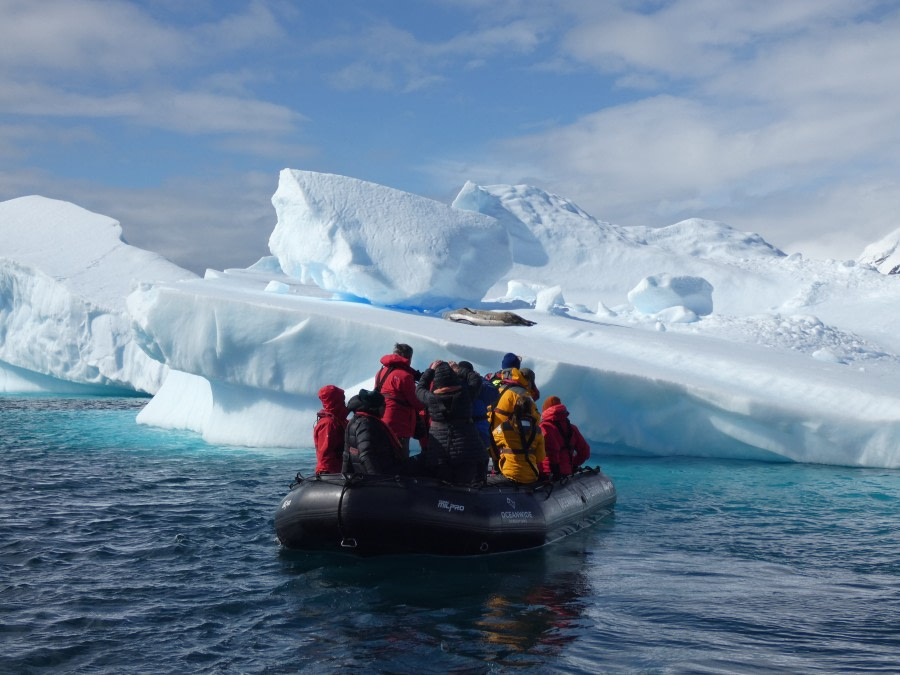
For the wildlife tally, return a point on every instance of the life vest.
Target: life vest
(525, 429)
(565, 435)
(519, 431)
(497, 378)
(379, 382)
(493, 412)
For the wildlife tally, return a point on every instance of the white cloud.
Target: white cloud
(729, 108)
(662, 159)
(104, 60)
(238, 31)
(743, 106)
(18, 140)
(84, 37)
(92, 39)
(692, 39)
(843, 66)
(386, 58)
(838, 221)
(361, 75)
(215, 221)
(183, 111)
(519, 36)
(202, 112)
(272, 147)
(197, 222)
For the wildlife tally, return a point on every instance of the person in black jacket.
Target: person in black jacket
(483, 397)
(454, 452)
(370, 446)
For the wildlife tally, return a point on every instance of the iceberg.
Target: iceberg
(798, 360)
(250, 371)
(247, 362)
(387, 247)
(64, 275)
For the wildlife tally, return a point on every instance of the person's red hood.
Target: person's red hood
(555, 413)
(332, 398)
(396, 360)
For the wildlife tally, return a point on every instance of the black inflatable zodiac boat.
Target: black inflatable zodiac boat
(401, 514)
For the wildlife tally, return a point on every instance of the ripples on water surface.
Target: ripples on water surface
(127, 549)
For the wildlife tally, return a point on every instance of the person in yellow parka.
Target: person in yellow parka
(515, 383)
(519, 443)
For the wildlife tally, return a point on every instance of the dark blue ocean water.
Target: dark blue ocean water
(130, 549)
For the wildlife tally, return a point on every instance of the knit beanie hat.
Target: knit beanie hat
(550, 402)
(510, 361)
(371, 400)
(444, 377)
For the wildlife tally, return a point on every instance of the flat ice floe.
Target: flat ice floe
(251, 370)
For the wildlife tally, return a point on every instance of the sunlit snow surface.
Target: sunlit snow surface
(64, 275)
(554, 242)
(389, 247)
(884, 254)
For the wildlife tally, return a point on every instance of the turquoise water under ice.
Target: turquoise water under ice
(131, 549)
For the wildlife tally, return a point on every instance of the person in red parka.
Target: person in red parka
(328, 434)
(565, 446)
(397, 383)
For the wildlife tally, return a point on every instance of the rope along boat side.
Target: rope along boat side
(402, 514)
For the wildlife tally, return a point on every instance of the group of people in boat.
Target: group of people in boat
(467, 425)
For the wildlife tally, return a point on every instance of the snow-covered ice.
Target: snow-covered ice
(386, 246)
(554, 242)
(760, 355)
(64, 275)
(883, 254)
(654, 294)
(655, 393)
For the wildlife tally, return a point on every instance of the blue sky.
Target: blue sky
(777, 117)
